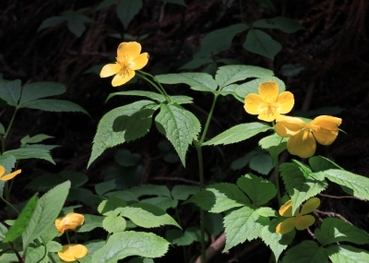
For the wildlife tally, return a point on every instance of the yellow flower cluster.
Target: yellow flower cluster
(71, 252)
(269, 105)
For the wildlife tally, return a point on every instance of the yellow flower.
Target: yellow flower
(128, 59)
(269, 104)
(69, 221)
(300, 220)
(303, 136)
(73, 252)
(8, 177)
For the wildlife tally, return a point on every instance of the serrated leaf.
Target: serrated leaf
(38, 90)
(10, 91)
(258, 189)
(251, 86)
(274, 144)
(347, 254)
(113, 204)
(37, 254)
(261, 43)
(53, 246)
(262, 163)
(197, 81)
(299, 187)
(91, 222)
(34, 139)
(276, 242)
(179, 126)
(219, 197)
(229, 74)
(30, 152)
(353, 184)
(141, 93)
(22, 221)
(147, 215)
(124, 244)
(238, 133)
(335, 230)
(150, 189)
(182, 192)
(320, 163)
(111, 132)
(183, 238)
(285, 24)
(127, 9)
(306, 252)
(114, 223)
(241, 225)
(54, 106)
(47, 210)
(162, 202)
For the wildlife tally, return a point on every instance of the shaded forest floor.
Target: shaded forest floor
(334, 50)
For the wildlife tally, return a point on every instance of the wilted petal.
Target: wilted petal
(310, 205)
(73, 252)
(129, 49)
(285, 102)
(253, 102)
(10, 176)
(326, 130)
(303, 222)
(69, 221)
(286, 226)
(110, 70)
(286, 209)
(140, 61)
(268, 91)
(302, 144)
(122, 79)
(288, 126)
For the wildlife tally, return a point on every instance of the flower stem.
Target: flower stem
(156, 84)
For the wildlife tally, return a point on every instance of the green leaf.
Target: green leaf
(197, 81)
(219, 197)
(10, 91)
(54, 106)
(320, 163)
(141, 93)
(179, 126)
(274, 144)
(29, 153)
(127, 159)
(347, 254)
(229, 74)
(50, 22)
(76, 178)
(34, 139)
(113, 204)
(76, 21)
(22, 221)
(238, 133)
(262, 163)
(37, 254)
(241, 225)
(334, 230)
(150, 189)
(258, 189)
(122, 124)
(92, 246)
(251, 86)
(162, 202)
(299, 187)
(285, 24)
(351, 183)
(38, 90)
(114, 223)
(53, 246)
(220, 40)
(147, 215)
(91, 222)
(124, 244)
(261, 43)
(47, 210)
(306, 252)
(183, 238)
(127, 9)
(182, 192)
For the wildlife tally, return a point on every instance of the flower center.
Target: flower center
(270, 108)
(313, 127)
(125, 64)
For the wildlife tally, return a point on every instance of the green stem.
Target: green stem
(8, 130)
(276, 175)
(210, 115)
(156, 84)
(9, 205)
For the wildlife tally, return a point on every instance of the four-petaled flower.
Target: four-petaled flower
(69, 221)
(8, 177)
(299, 220)
(128, 59)
(269, 104)
(303, 136)
(72, 252)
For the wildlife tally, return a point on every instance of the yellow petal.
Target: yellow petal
(288, 126)
(303, 222)
(140, 61)
(69, 221)
(122, 79)
(73, 252)
(285, 102)
(310, 205)
(10, 176)
(253, 102)
(129, 49)
(110, 70)
(302, 144)
(327, 130)
(268, 91)
(286, 209)
(2, 170)
(286, 226)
